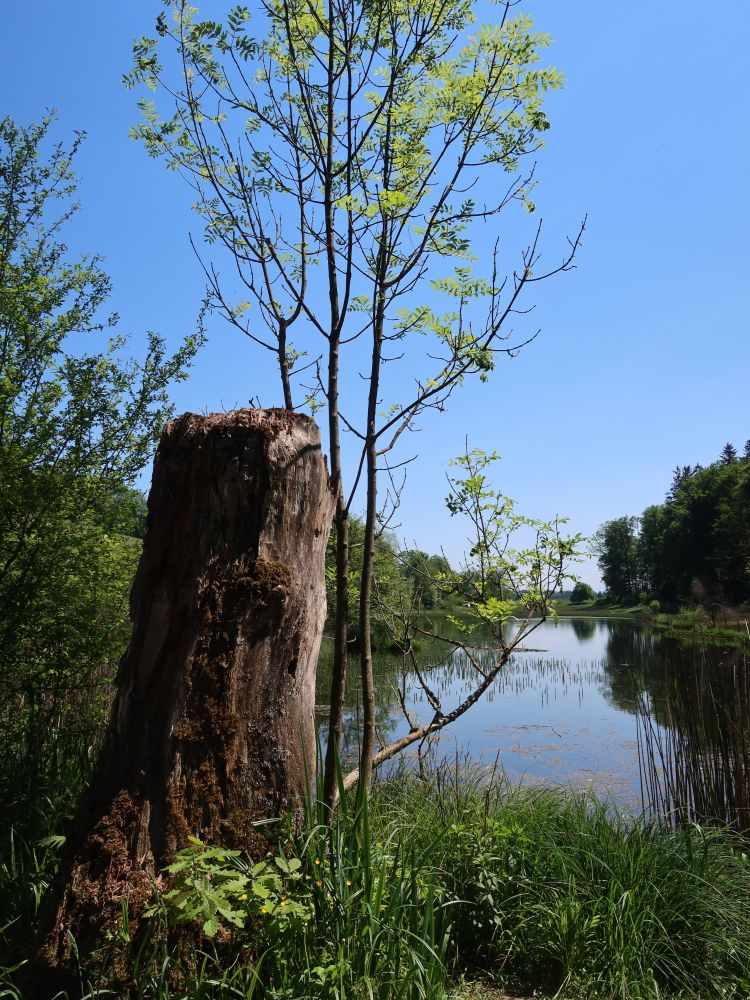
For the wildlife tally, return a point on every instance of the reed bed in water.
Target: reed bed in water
(694, 748)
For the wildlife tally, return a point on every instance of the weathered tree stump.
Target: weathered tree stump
(212, 723)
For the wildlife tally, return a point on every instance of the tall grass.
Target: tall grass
(554, 891)
(451, 873)
(331, 914)
(38, 794)
(696, 763)
(375, 909)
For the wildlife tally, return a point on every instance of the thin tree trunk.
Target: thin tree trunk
(341, 621)
(365, 625)
(340, 658)
(212, 725)
(367, 751)
(284, 366)
(368, 559)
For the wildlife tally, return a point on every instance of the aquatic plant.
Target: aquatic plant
(695, 759)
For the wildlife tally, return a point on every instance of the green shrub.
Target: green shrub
(582, 593)
(331, 915)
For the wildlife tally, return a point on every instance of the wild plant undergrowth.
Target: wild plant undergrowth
(447, 876)
(554, 890)
(38, 794)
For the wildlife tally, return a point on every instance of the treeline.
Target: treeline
(693, 546)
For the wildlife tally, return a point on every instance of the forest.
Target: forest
(692, 547)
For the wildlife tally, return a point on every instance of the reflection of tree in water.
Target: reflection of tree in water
(451, 675)
(693, 708)
(698, 767)
(522, 673)
(634, 667)
(584, 628)
(388, 671)
(644, 667)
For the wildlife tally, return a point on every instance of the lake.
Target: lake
(592, 703)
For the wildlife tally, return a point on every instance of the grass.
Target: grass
(553, 892)
(38, 796)
(600, 609)
(729, 628)
(477, 989)
(460, 887)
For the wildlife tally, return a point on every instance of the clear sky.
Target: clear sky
(643, 359)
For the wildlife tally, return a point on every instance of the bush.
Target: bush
(79, 421)
(331, 913)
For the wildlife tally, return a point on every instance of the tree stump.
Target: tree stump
(212, 723)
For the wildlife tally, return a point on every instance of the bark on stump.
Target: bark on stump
(212, 723)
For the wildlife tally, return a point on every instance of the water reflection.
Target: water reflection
(695, 737)
(584, 628)
(576, 709)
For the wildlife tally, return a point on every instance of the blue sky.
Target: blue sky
(644, 355)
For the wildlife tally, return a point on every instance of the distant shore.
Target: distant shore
(730, 624)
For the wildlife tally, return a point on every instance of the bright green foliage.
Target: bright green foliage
(379, 932)
(215, 887)
(582, 593)
(334, 915)
(78, 420)
(553, 893)
(373, 119)
(504, 582)
(549, 893)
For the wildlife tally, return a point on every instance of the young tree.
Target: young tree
(680, 475)
(424, 573)
(507, 590)
(366, 141)
(651, 555)
(76, 425)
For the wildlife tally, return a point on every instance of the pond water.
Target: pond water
(570, 709)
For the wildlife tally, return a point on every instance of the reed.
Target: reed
(695, 757)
